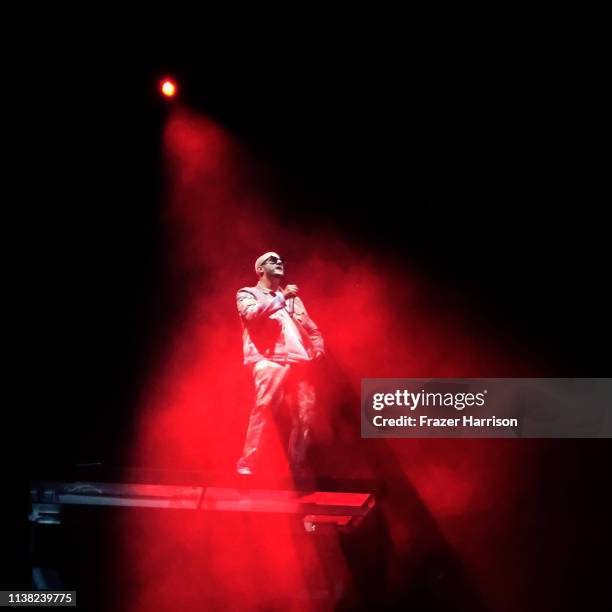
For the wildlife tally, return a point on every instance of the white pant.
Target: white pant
(277, 387)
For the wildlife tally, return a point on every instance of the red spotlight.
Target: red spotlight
(168, 88)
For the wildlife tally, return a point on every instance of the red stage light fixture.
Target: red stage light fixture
(168, 88)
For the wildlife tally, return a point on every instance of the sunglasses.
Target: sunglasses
(274, 260)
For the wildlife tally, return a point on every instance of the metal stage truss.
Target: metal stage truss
(318, 509)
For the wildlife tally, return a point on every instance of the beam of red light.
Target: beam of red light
(196, 405)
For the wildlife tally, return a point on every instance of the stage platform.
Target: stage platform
(318, 509)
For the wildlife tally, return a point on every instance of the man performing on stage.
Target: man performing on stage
(280, 343)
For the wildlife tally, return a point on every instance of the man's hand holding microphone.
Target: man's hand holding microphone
(290, 291)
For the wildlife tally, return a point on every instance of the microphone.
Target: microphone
(291, 309)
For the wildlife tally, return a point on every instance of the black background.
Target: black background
(495, 154)
(482, 170)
